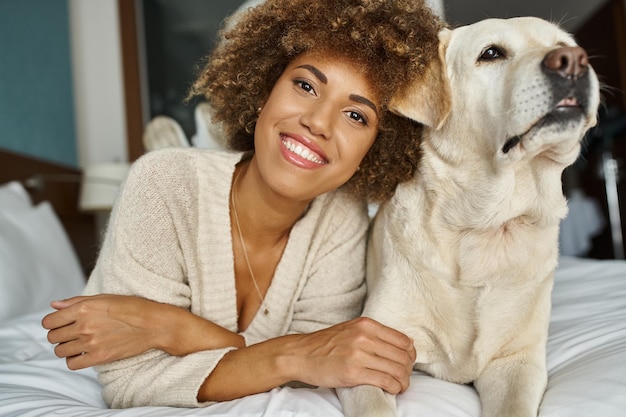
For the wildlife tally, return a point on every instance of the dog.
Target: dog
(462, 257)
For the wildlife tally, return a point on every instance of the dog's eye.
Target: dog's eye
(491, 53)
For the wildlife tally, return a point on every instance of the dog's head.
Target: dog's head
(521, 85)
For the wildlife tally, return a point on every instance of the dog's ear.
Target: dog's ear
(427, 100)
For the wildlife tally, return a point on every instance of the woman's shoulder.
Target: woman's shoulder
(183, 164)
(179, 172)
(187, 158)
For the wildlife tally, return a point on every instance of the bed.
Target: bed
(39, 262)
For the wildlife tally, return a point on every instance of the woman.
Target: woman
(246, 269)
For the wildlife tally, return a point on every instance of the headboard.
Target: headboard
(60, 186)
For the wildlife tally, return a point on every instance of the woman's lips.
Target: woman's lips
(301, 153)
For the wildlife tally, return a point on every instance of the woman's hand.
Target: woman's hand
(93, 330)
(357, 352)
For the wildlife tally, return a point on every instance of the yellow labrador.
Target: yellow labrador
(462, 258)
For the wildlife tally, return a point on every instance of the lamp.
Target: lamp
(100, 185)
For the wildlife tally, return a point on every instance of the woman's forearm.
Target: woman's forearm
(182, 332)
(250, 370)
(356, 352)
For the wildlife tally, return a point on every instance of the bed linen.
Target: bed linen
(586, 362)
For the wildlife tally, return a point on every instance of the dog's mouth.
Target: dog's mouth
(566, 110)
(511, 143)
(568, 102)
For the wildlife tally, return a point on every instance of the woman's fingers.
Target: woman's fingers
(69, 349)
(393, 376)
(357, 352)
(98, 329)
(68, 311)
(387, 343)
(80, 361)
(389, 357)
(61, 304)
(57, 319)
(62, 334)
(392, 338)
(383, 380)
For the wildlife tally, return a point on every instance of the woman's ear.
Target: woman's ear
(427, 100)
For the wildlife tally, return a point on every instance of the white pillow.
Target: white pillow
(14, 196)
(37, 261)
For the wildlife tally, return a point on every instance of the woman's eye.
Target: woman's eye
(491, 53)
(358, 117)
(305, 86)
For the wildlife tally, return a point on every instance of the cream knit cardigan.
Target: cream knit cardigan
(169, 240)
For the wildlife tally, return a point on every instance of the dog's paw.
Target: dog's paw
(367, 401)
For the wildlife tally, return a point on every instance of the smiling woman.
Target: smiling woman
(237, 272)
(315, 127)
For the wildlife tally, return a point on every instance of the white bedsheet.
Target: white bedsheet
(586, 361)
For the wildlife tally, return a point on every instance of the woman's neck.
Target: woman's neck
(266, 217)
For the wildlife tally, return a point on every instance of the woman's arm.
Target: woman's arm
(93, 330)
(357, 352)
(319, 351)
(113, 327)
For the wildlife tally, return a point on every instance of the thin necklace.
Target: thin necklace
(243, 245)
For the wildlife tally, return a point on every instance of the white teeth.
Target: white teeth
(302, 152)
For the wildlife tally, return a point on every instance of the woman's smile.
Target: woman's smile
(302, 152)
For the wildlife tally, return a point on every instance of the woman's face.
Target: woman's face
(316, 126)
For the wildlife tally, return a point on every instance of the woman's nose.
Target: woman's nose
(318, 119)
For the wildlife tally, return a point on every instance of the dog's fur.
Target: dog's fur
(462, 258)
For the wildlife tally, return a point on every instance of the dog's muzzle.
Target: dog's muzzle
(567, 70)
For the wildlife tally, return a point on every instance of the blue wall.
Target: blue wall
(36, 102)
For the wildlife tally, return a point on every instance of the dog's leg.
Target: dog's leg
(366, 401)
(512, 386)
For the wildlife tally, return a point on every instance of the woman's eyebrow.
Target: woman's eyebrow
(319, 74)
(354, 97)
(363, 100)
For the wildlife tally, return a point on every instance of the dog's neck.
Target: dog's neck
(481, 191)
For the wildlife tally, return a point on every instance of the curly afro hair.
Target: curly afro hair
(392, 40)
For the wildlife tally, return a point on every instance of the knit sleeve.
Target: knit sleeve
(143, 254)
(142, 250)
(335, 288)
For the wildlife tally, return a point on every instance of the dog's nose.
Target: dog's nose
(569, 62)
